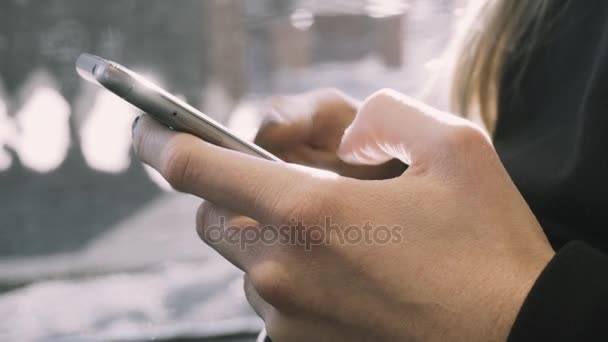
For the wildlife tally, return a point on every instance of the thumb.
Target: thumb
(391, 125)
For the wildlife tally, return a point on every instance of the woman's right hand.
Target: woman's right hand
(307, 129)
(448, 251)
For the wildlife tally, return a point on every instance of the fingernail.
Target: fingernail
(134, 124)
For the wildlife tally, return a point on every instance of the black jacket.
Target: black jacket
(552, 136)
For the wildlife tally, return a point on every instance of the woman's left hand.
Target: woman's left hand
(447, 251)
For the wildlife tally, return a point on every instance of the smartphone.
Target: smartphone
(162, 106)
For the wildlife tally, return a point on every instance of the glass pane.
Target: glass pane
(92, 243)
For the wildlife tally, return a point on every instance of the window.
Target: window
(93, 244)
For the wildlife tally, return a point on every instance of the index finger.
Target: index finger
(263, 190)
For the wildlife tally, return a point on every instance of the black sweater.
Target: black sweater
(552, 136)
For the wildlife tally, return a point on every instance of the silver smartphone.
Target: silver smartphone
(162, 106)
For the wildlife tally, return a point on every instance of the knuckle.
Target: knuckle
(271, 282)
(204, 214)
(466, 138)
(176, 162)
(288, 209)
(311, 204)
(381, 101)
(322, 203)
(382, 97)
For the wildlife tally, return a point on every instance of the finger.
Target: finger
(226, 232)
(317, 118)
(328, 160)
(266, 191)
(278, 137)
(287, 108)
(392, 125)
(286, 121)
(258, 304)
(336, 112)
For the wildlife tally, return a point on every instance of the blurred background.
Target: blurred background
(93, 245)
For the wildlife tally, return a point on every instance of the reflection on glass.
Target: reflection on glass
(105, 136)
(75, 207)
(302, 19)
(385, 8)
(7, 131)
(43, 130)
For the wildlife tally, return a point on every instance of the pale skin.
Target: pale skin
(471, 247)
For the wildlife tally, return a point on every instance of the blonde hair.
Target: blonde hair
(492, 30)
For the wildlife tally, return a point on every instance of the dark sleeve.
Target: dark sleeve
(569, 301)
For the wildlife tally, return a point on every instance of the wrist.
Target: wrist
(519, 285)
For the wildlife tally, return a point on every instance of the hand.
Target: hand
(464, 251)
(307, 129)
